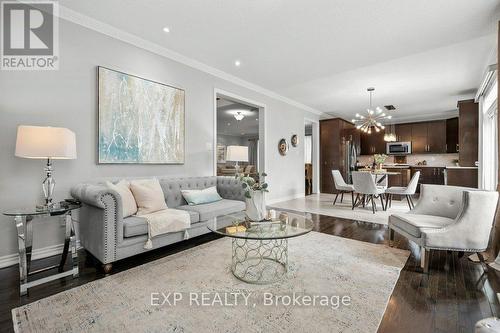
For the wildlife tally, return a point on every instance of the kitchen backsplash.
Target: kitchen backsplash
(437, 160)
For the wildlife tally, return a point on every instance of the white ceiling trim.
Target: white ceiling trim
(428, 117)
(109, 30)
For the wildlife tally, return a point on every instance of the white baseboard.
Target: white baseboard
(45, 252)
(290, 197)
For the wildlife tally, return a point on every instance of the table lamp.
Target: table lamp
(48, 143)
(237, 154)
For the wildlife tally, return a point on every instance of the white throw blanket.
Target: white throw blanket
(166, 221)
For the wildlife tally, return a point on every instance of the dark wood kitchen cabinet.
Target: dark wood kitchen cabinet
(373, 143)
(429, 137)
(366, 144)
(403, 132)
(468, 126)
(429, 175)
(436, 137)
(332, 150)
(466, 177)
(419, 138)
(452, 135)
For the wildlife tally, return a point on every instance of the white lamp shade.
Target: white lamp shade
(237, 153)
(45, 142)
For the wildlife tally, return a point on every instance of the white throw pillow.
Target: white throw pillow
(148, 196)
(128, 201)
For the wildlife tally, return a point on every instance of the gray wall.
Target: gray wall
(231, 140)
(68, 98)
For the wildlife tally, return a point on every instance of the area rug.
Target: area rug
(354, 279)
(323, 204)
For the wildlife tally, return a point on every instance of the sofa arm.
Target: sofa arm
(472, 227)
(92, 194)
(101, 220)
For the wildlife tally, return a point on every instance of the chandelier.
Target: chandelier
(239, 116)
(374, 117)
(390, 135)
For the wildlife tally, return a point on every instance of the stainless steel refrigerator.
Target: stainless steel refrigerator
(350, 157)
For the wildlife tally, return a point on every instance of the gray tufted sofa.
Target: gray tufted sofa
(110, 237)
(447, 218)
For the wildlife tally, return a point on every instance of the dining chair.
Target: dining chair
(366, 190)
(407, 191)
(341, 186)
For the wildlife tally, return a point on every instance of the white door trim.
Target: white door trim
(262, 126)
(315, 153)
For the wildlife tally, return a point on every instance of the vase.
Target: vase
(256, 206)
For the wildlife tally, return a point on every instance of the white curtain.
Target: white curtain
(488, 146)
(308, 149)
(488, 143)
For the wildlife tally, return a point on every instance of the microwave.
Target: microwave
(398, 148)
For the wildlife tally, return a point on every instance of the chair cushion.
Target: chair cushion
(214, 209)
(397, 190)
(413, 223)
(344, 187)
(137, 226)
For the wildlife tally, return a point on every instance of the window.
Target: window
(488, 179)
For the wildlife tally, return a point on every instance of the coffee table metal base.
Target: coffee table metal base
(259, 261)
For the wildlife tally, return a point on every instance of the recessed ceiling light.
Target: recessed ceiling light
(237, 63)
(166, 29)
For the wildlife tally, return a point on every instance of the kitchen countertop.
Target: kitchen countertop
(428, 166)
(396, 166)
(413, 166)
(461, 167)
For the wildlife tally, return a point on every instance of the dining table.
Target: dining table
(380, 174)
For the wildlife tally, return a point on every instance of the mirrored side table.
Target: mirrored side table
(24, 218)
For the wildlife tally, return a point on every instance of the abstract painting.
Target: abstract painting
(140, 121)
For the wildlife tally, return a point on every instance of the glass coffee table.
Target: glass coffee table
(260, 249)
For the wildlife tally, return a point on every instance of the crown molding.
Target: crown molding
(426, 117)
(111, 31)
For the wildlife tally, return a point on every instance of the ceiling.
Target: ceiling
(421, 56)
(228, 125)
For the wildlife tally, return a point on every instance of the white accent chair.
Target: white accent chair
(406, 191)
(366, 190)
(448, 218)
(341, 186)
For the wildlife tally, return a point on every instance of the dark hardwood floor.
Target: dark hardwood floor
(456, 293)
